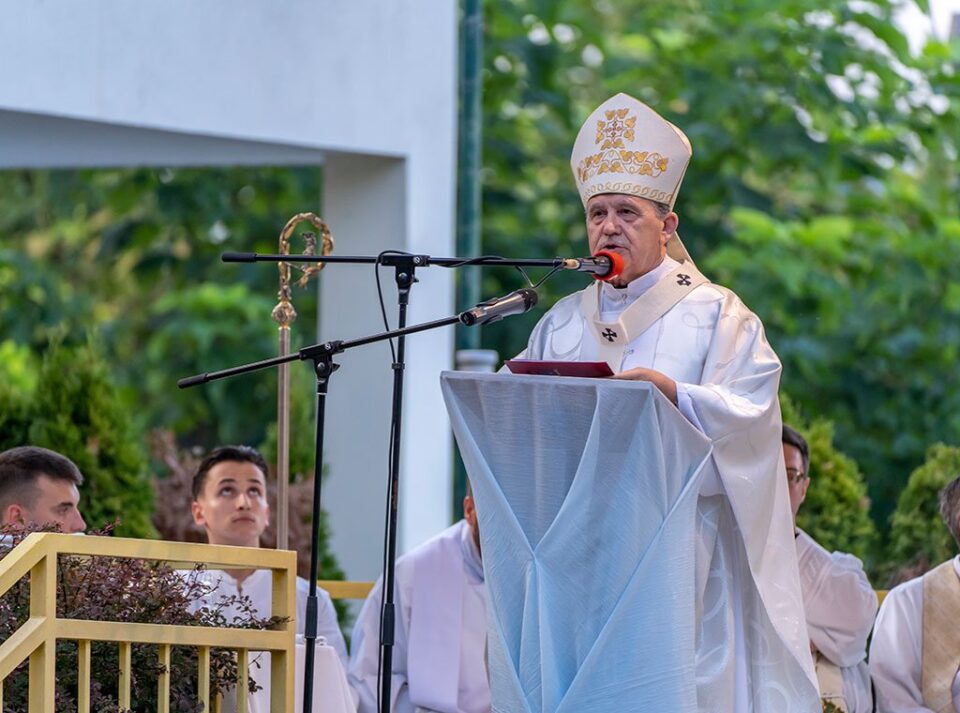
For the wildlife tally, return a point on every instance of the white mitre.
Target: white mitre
(624, 146)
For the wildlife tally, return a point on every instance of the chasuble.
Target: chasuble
(751, 645)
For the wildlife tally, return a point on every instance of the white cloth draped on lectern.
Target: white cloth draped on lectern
(587, 495)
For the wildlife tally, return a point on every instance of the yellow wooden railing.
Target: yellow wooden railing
(37, 638)
(343, 589)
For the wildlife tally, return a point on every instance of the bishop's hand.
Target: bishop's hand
(663, 382)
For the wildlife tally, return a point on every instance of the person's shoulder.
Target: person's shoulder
(806, 543)
(904, 592)
(711, 292)
(723, 303)
(568, 303)
(805, 540)
(427, 547)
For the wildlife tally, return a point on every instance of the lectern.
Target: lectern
(586, 492)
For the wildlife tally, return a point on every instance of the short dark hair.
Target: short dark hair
(950, 507)
(792, 437)
(233, 454)
(21, 467)
(661, 209)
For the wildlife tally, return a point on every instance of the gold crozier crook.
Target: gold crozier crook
(284, 314)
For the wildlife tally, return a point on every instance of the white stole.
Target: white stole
(613, 337)
(436, 624)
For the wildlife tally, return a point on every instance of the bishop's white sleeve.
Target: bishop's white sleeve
(710, 482)
(895, 651)
(839, 601)
(365, 655)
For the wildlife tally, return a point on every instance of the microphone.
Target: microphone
(517, 302)
(604, 265)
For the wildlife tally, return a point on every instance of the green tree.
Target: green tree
(74, 410)
(836, 510)
(133, 255)
(918, 537)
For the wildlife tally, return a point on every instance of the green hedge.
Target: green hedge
(836, 510)
(73, 408)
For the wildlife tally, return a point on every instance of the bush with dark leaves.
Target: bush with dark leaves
(125, 590)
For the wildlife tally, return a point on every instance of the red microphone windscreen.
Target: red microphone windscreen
(616, 264)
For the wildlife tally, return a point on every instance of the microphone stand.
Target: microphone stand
(324, 367)
(405, 265)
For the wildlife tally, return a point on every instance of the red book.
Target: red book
(595, 369)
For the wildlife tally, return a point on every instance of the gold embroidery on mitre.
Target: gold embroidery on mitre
(626, 187)
(614, 157)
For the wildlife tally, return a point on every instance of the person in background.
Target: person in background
(839, 601)
(40, 487)
(439, 660)
(915, 650)
(230, 504)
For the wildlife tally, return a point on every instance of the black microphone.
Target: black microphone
(605, 265)
(517, 302)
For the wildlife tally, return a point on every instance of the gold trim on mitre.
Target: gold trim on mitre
(624, 146)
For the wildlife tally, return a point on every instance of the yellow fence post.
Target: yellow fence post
(43, 606)
(203, 676)
(243, 685)
(83, 676)
(163, 680)
(282, 662)
(125, 651)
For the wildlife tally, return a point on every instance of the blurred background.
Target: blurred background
(823, 190)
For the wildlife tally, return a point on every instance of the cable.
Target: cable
(546, 277)
(383, 309)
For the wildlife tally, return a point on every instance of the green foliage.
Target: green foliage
(822, 187)
(74, 410)
(836, 510)
(133, 255)
(918, 536)
(302, 425)
(18, 379)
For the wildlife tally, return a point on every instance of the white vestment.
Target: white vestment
(840, 605)
(440, 637)
(753, 652)
(259, 588)
(896, 660)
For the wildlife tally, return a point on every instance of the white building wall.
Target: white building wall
(366, 86)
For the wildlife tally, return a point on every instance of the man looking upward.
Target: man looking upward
(230, 503)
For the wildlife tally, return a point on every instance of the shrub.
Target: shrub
(75, 410)
(918, 537)
(836, 510)
(125, 590)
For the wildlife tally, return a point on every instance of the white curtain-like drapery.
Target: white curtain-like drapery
(587, 493)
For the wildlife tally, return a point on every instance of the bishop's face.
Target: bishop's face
(629, 225)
